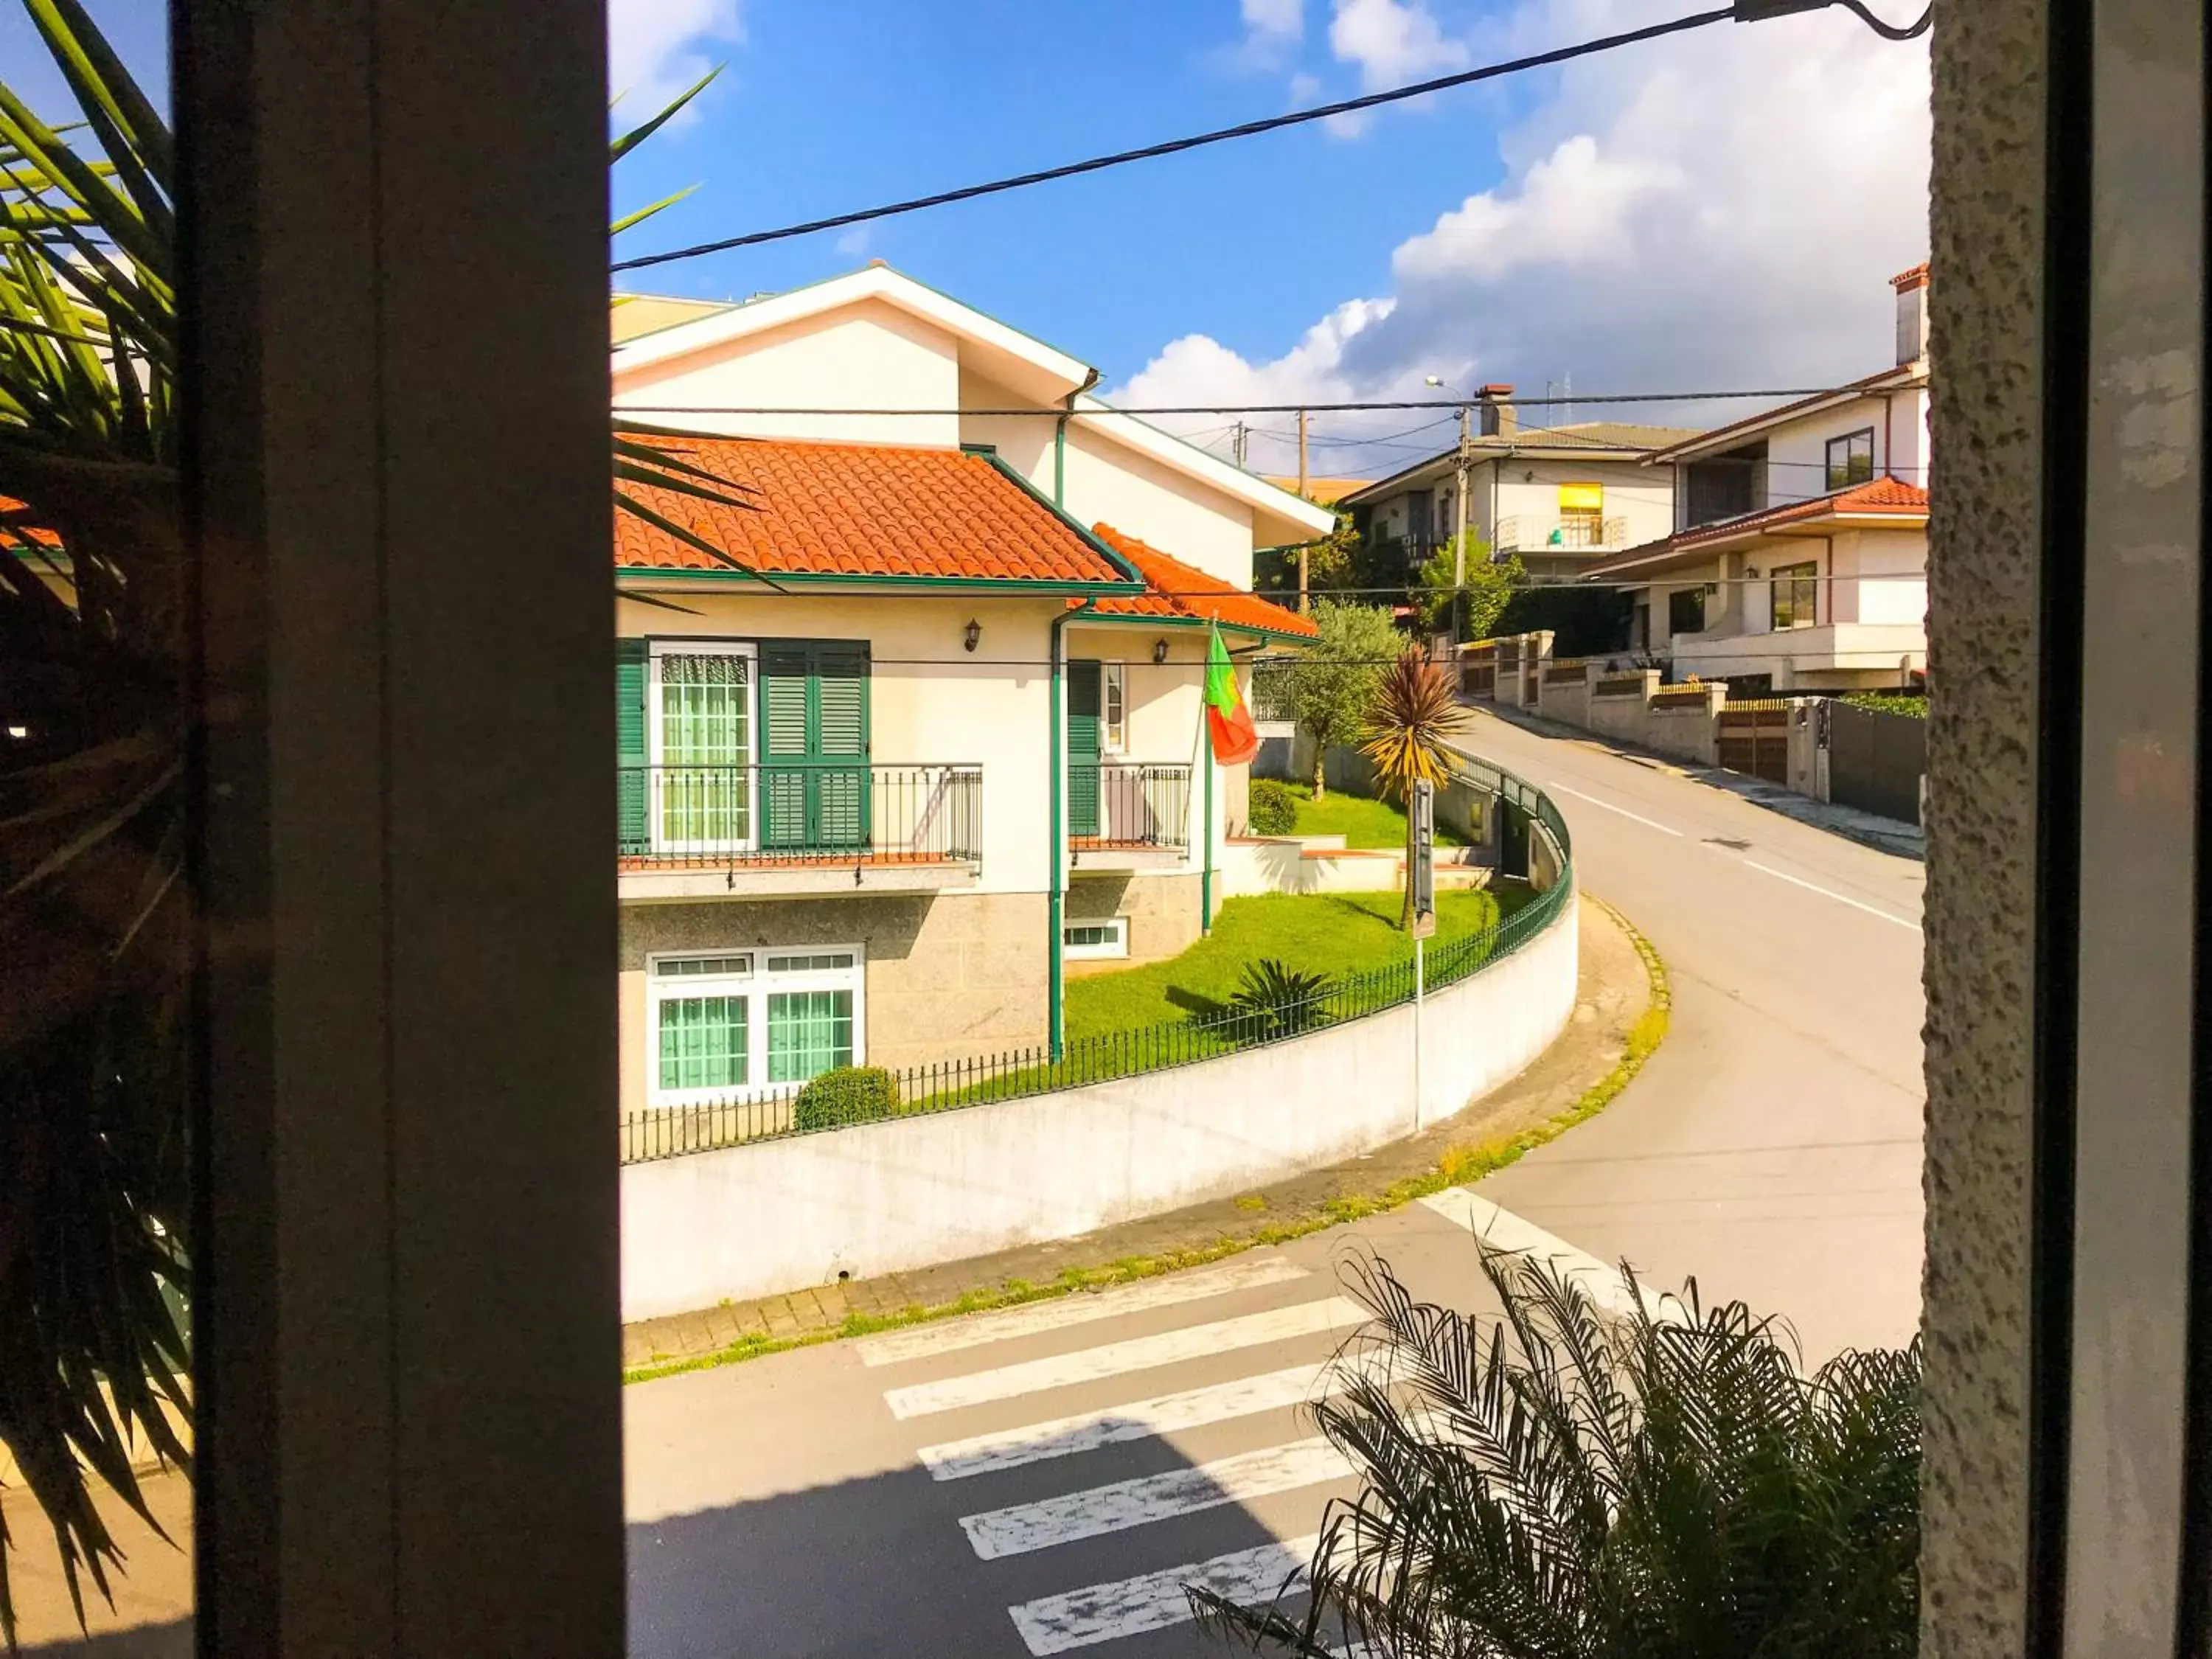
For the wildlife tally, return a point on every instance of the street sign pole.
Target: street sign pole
(1421, 884)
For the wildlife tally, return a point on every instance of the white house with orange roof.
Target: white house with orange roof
(1799, 561)
(927, 736)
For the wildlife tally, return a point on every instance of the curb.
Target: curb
(1455, 1165)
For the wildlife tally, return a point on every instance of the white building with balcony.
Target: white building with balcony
(1799, 556)
(1559, 497)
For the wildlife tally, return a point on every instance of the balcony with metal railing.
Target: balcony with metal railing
(1128, 815)
(830, 826)
(1528, 532)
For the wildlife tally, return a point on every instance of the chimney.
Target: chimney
(1911, 287)
(1498, 415)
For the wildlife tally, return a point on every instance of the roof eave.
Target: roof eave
(888, 581)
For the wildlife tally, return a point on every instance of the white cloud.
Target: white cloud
(1274, 20)
(1304, 87)
(1717, 210)
(853, 241)
(1391, 42)
(656, 48)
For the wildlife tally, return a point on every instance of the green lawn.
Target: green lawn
(1360, 819)
(1327, 932)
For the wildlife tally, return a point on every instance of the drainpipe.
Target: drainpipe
(1055, 1018)
(1060, 441)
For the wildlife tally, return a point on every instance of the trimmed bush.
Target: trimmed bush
(846, 1094)
(1912, 707)
(1271, 808)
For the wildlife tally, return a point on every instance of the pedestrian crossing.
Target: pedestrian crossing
(1058, 1465)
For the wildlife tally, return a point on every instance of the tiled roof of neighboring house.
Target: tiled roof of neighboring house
(1176, 590)
(1321, 492)
(1885, 497)
(1600, 440)
(1899, 378)
(14, 526)
(858, 510)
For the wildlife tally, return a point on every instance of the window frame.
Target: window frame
(1806, 576)
(1678, 594)
(1828, 455)
(655, 751)
(757, 984)
(1117, 950)
(1113, 708)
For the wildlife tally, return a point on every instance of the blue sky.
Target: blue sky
(826, 107)
(1719, 210)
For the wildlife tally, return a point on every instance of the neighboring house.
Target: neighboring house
(1799, 560)
(943, 744)
(1324, 492)
(1559, 497)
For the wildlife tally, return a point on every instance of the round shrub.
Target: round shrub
(1272, 808)
(845, 1094)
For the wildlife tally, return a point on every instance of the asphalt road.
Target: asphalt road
(1010, 1484)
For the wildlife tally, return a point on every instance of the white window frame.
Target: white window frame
(1113, 693)
(655, 651)
(755, 985)
(1117, 950)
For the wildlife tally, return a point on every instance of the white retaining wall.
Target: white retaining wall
(753, 1221)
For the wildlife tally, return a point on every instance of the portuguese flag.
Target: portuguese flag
(1228, 721)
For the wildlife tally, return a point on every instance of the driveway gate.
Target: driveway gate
(1874, 760)
(1754, 738)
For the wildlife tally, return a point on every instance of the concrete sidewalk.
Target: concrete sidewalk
(1621, 983)
(1868, 829)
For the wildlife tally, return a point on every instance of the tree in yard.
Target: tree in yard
(97, 911)
(1415, 711)
(1489, 588)
(1573, 1481)
(1330, 562)
(1327, 686)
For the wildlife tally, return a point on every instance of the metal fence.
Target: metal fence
(810, 812)
(1139, 804)
(1013, 1074)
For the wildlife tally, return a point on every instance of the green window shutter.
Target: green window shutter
(631, 756)
(814, 701)
(1085, 701)
(841, 744)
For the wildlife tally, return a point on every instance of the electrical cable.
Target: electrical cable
(1055, 411)
(1742, 11)
(1177, 146)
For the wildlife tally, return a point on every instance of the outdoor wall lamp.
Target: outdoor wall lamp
(1159, 651)
(972, 633)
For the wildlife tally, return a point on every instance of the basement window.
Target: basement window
(1094, 940)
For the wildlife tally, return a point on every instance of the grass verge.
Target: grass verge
(1362, 820)
(1454, 1166)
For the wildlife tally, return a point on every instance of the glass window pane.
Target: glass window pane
(808, 1032)
(706, 745)
(703, 1042)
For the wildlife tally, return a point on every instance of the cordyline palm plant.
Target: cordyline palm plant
(1564, 1483)
(1409, 724)
(95, 910)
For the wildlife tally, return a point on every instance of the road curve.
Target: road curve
(1771, 1148)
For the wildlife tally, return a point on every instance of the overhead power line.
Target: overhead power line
(1055, 411)
(1742, 11)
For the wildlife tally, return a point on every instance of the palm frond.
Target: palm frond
(1557, 1482)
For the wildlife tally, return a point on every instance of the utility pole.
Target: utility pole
(1459, 538)
(1305, 601)
(1239, 441)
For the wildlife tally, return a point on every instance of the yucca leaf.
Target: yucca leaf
(644, 213)
(637, 136)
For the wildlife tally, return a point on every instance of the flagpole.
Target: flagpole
(1206, 877)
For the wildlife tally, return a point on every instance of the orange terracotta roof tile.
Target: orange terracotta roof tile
(1174, 589)
(858, 510)
(1885, 497)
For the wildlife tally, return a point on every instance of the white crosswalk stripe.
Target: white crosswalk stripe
(1113, 1358)
(1504, 1230)
(1156, 1600)
(1020, 1528)
(1243, 1274)
(1137, 1419)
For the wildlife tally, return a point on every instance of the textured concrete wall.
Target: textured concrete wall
(881, 1198)
(1984, 530)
